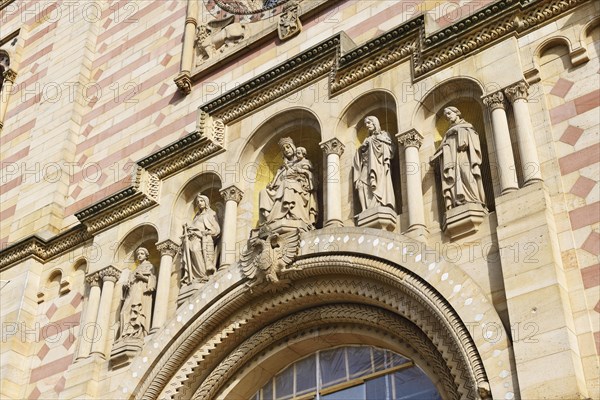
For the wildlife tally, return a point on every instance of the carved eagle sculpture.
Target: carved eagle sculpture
(266, 254)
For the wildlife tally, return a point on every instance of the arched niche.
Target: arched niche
(351, 127)
(554, 52)
(57, 281)
(208, 184)
(145, 235)
(591, 35)
(464, 94)
(261, 157)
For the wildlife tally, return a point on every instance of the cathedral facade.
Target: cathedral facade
(300, 199)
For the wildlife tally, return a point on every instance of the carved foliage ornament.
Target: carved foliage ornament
(494, 101)
(232, 193)
(519, 91)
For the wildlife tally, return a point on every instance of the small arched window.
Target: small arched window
(350, 372)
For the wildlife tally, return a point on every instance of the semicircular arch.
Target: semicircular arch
(414, 291)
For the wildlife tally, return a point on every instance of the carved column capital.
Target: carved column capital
(494, 100)
(10, 75)
(232, 193)
(167, 247)
(110, 274)
(517, 91)
(332, 146)
(93, 279)
(410, 138)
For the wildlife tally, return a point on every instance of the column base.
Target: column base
(418, 232)
(334, 223)
(508, 190)
(463, 220)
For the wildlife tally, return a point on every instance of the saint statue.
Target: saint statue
(372, 174)
(136, 307)
(291, 193)
(460, 162)
(198, 243)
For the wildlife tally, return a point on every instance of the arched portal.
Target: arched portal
(342, 296)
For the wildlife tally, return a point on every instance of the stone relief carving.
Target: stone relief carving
(373, 179)
(287, 206)
(217, 36)
(267, 254)
(289, 21)
(247, 6)
(199, 258)
(136, 306)
(459, 158)
(460, 162)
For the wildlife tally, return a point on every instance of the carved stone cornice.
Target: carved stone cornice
(93, 279)
(494, 101)
(332, 146)
(186, 151)
(518, 91)
(43, 250)
(410, 138)
(141, 195)
(232, 193)
(381, 52)
(109, 274)
(276, 82)
(167, 247)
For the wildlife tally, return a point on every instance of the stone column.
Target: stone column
(9, 79)
(109, 276)
(333, 149)
(91, 313)
(167, 249)
(183, 79)
(530, 164)
(232, 196)
(412, 141)
(504, 152)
